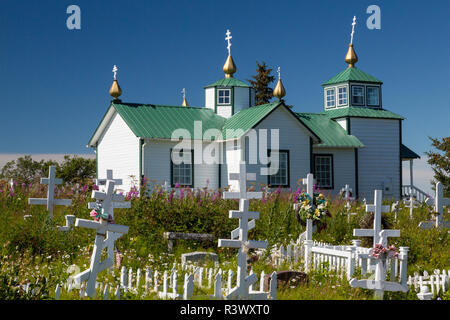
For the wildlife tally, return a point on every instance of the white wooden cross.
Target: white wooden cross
(184, 93)
(309, 182)
(411, 204)
(115, 69)
(380, 284)
(346, 192)
(50, 201)
(242, 177)
(109, 201)
(109, 176)
(353, 29)
(242, 289)
(377, 208)
(439, 203)
(97, 265)
(228, 38)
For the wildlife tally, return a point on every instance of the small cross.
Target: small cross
(279, 73)
(242, 177)
(411, 204)
(228, 38)
(377, 208)
(439, 203)
(184, 93)
(109, 176)
(353, 29)
(50, 201)
(347, 191)
(115, 69)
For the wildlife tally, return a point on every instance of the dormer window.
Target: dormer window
(224, 96)
(358, 95)
(342, 96)
(373, 96)
(330, 94)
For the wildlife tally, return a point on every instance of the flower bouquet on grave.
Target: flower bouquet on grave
(380, 252)
(99, 214)
(315, 209)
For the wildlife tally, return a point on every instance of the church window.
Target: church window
(224, 96)
(323, 170)
(182, 174)
(330, 98)
(342, 96)
(358, 95)
(373, 96)
(281, 178)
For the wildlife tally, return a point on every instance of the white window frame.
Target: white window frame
(218, 97)
(363, 95)
(326, 98)
(367, 96)
(338, 96)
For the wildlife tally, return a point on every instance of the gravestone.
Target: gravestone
(50, 201)
(199, 257)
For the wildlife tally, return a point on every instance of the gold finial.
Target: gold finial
(115, 91)
(185, 103)
(279, 91)
(351, 58)
(229, 67)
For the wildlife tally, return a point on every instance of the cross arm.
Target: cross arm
(47, 181)
(363, 232)
(229, 243)
(239, 214)
(372, 208)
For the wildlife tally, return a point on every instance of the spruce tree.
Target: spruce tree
(440, 163)
(261, 82)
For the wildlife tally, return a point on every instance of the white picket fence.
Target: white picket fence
(439, 281)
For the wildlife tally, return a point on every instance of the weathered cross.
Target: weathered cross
(411, 203)
(50, 201)
(309, 182)
(242, 177)
(241, 291)
(439, 203)
(228, 38)
(377, 208)
(347, 190)
(109, 201)
(109, 176)
(97, 265)
(353, 29)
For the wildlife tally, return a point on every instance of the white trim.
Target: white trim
(218, 97)
(337, 96)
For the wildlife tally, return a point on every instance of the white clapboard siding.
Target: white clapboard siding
(209, 98)
(343, 167)
(157, 161)
(293, 136)
(379, 160)
(224, 111)
(118, 150)
(241, 98)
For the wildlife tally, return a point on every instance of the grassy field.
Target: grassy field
(33, 249)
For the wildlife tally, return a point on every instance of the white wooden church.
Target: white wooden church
(353, 139)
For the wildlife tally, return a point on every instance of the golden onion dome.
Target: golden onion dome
(351, 58)
(229, 67)
(115, 90)
(279, 91)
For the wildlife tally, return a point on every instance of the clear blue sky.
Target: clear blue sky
(54, 82)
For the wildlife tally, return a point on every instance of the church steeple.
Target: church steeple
(229, 68)
(351, 58)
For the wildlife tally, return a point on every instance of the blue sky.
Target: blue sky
(54, 82)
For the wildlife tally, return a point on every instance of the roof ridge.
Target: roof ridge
(161, 105)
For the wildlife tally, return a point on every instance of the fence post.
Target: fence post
(218, 286)
(308, 246)
(351, 262)
(273, 286)
(404, 264)
(188, 289)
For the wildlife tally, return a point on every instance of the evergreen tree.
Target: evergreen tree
(261, 82)
(441, 162)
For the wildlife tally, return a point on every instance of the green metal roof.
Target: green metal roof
(361, 112)
(228, 82)
(157, 121)
(352, 74)
(329, 131)
(406, 153)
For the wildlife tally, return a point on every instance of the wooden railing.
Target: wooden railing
(409, 190)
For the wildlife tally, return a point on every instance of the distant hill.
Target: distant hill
(5, 157)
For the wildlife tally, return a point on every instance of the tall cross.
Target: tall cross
(109, 201)
(228, 38)
(309, 182)
(50, 201)
(241, 291)
(353, 29)
(439, 203)
(377, 208)
(242, 177)
(115, 69)
(97, 265)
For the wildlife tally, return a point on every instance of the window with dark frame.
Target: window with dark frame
(373, 96)
(358, 95)
(281, 178)
(182, 173)
(323, 171)
(223, 96)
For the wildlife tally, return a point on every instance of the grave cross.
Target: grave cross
(241, 291)
(50, 201)
(109, 201)
(439, 203)
(97, 265)
(411, 204)
(309, 182)
(377, 208)
(347, 191)
(242, 177)
(109, 176)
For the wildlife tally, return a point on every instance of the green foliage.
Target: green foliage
(261, 84)
(441, 162)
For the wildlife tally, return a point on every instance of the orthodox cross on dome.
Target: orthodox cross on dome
(353, 29)
(114, 70)
(279, 72)
(228, 38)
(184, 93)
